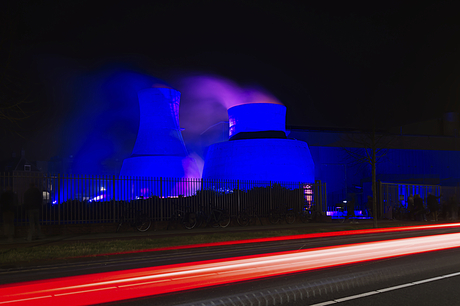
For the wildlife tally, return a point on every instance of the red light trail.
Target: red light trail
(292, 237)
(128, 284)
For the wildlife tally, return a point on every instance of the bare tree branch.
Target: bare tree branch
(375, 147)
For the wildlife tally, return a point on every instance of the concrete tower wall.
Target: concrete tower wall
(256, 117)
(262, 157)
(159, 131)
(159, 150)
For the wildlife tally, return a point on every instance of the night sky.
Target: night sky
(330, 64)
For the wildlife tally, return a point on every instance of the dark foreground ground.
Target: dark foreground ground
(64, 234)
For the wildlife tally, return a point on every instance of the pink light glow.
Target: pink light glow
(225, 91)
(207, 98)
(119, 285)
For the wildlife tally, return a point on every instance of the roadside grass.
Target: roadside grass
(67, 250)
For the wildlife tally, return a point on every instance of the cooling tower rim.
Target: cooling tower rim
(161, 85)
(267, 134)
(256, 103)
(158, 90)
(268, 140)
(155, 155)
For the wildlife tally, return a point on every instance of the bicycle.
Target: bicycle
(306, 215)
(279, 213)
(201, 217)
(216, 216)
(137, 219)
(186, 218)
(247, 216)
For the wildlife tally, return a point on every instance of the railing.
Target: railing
(73, 199)
(393, 195)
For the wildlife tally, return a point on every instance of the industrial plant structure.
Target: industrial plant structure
(258, 148)
(160, 149)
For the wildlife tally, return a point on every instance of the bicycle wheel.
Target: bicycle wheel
(119, 225)
(224, 220)
(290, 217)
(200, 218)
(243, 219)
(306, 216)
(143, 223)
(274, 217)
(189, 220)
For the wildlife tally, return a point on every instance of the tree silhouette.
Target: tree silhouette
(372, 147)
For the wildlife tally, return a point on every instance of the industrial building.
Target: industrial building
(418, 158)
(256, 145)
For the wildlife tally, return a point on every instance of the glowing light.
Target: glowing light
(342, 214)
(98, 198)
(113, 286)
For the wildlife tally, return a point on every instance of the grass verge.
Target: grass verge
(62, 251)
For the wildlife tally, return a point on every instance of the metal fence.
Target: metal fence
(74, 199)
(393, 195)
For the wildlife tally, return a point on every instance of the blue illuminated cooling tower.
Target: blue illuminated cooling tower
(256, 117)
(159, 150)
(258, 148)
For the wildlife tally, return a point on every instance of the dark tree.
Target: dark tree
(370, 146)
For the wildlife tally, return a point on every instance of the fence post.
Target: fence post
(161, 200)
(380, 203)
(59, 198)
(113, 198)
(321, 195)
(202, 206)
(325, 196)
(161, 187)
(238, 190)
(317, 195)
(270, 195)
(201, 190)
(301, 195)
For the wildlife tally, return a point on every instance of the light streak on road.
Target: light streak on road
(128, 284)
(292, 237)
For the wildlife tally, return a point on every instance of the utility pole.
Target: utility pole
(374, 187)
